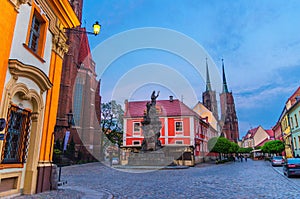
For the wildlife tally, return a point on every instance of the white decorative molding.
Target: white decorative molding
(18, 69)
(18, 3)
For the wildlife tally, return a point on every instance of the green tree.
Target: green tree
(111, 124)
(234, 147)
(111, 117)
(244, 150)
(274, 146)
(219, 145)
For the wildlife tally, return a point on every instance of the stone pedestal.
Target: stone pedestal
(153, 158)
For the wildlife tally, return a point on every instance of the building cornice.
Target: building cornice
(18, 3)
(18, 69)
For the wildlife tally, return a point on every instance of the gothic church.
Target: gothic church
(228, 121)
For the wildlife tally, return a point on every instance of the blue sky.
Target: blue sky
(259, 41)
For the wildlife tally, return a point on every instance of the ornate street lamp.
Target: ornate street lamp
(96, 29)
(71, 121)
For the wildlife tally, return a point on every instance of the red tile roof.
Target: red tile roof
(165, 108)
(292, 98)
(253, 131)
(270, 133)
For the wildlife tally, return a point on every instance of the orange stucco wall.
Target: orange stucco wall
(7, 23)
(51, 108)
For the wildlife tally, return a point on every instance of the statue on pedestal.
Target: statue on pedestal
(151, 126)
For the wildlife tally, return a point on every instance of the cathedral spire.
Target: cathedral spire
(225, 88)
(208, 85)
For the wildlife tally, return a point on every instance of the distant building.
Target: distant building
(205, 113)
(209, 96)
(181, 127)
(228, 122)
(277, 131)
(257, 137)
(292, 117)
(288, 119)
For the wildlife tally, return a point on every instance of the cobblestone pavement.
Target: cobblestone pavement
(242, 180)
(295, 180)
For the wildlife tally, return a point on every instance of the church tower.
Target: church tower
(229, 121)
(77, 7)
(79, 94)
(209, 96)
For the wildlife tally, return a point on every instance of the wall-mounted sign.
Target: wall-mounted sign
(2, 136)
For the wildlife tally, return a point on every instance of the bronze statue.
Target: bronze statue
(153, 97)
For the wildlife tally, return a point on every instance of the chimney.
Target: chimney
(126, 105)
(171, 98)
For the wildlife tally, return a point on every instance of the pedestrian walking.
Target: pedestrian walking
(241, 158)
(246, 158)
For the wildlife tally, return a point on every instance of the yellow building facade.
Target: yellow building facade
(33, 45)
(286, 134)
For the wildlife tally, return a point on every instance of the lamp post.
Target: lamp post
(70, 124)
(96, 29)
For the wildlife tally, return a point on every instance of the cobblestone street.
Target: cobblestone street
(252, 179)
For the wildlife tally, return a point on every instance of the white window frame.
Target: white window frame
(178, 131)
(135, 132)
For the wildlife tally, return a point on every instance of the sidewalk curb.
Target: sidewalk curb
(292, 182)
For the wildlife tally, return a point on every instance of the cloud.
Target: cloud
(261, 97)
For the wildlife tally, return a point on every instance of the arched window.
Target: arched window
(17, 135)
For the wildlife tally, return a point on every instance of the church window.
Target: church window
(296, 120)
(78, 95)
